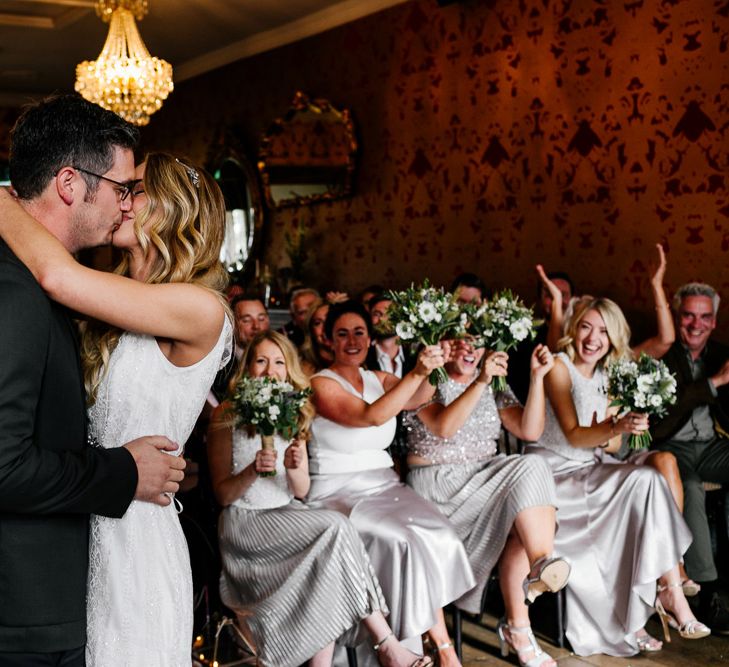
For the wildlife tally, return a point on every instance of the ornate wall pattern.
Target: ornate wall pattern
(498, 134)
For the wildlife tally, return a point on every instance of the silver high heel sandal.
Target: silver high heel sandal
(420, 660)
(691, 629)
(505, 644)
(546, 574)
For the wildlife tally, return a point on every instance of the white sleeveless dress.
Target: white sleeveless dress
(419, 560)
(139, 597)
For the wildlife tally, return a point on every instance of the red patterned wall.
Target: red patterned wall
(502, 133)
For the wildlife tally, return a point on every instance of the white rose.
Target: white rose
(656, 400)
(640, 400)
(273, 411)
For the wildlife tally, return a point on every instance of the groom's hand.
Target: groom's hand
(158, 473)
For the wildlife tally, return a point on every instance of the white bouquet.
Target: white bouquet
(500, 325)
(645, 386)
(426, 315)
(270, 406)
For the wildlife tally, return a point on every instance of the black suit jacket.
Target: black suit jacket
(691, 393)
(50, 479)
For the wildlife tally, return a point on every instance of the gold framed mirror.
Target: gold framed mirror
(308, 155)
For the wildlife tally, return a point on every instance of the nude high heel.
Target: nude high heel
(547, 574)
(691, 629)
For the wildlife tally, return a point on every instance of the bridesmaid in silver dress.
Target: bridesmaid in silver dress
(503, 507)
(297, 578)
(419, 560)
(618, 523)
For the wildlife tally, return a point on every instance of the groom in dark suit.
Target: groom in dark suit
(72, 166)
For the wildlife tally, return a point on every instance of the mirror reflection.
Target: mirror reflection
(243, 214)
(308, 155)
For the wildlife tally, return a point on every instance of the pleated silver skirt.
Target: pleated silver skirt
(482, 500)
(299, 577)
(621, 530)
(419, 560)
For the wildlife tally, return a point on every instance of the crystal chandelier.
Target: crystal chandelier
(125, 78)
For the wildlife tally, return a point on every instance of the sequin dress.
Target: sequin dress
(139, 599)
(618, 525)
(299, 578)
(419, 560)
(480, 491)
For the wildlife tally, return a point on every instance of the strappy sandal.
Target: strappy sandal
(506, 645)
(647, 643)
(420, 660)
(691, 629)
(547, 574)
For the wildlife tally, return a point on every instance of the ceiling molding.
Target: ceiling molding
(326, 19)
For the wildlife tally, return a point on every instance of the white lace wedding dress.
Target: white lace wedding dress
(139, 607)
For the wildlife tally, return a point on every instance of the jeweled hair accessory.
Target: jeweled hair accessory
(191, 172)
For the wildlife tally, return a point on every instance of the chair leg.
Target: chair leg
(560, 618)
(457, 634)
(351, 656)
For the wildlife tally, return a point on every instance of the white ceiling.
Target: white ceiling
(41, 41)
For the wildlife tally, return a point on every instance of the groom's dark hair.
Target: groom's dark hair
(63, 131)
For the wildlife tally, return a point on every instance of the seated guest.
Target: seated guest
(297, 578)
(316, 352)
(468, 288)
(618, 524)
(299, 303)
(664, 462)
(251, 318)
(695, 430)
(367, 293)
(503, 507)
(385, 353)
(418, 558)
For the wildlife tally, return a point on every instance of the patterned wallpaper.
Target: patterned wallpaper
(498, 134)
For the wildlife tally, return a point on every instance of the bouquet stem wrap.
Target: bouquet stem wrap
(267, 444)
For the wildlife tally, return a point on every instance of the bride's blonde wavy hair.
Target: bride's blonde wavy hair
(186, 212)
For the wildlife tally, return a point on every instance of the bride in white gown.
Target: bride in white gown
(148, 373)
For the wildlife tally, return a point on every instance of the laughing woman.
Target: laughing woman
(503, 507)
(419, 560)
(618, 522)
